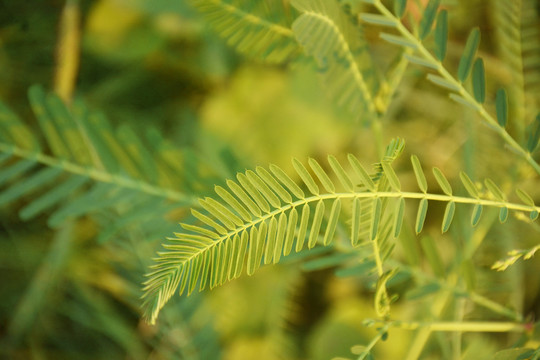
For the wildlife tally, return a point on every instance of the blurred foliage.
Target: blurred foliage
(165, 79)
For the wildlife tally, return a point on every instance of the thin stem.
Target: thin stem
(459, 326)
(374, 341)
(462, 91)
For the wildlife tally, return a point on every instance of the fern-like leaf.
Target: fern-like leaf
(326, 34)
(211, 256)
(258, 29)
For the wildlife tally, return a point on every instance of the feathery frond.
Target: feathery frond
(209, 256)
(420, 55)
(260, 29)
(340, 51)
(91, 168)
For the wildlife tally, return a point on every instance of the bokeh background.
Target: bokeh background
(156, 69)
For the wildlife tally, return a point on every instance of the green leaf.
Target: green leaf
(501, 107)
(441, 180)
(461, 100)
(479, 81)
(448, 216)
(280, 237)
(302, 229)
(332, 222)
(208, 221)
(321, 174)
(399, 8)
(263, 35)
(428, 18)
(421, 61)
(467, 58)
(494, 189)
(376, 19)
(261, 186)
(533, 131)
(533, 215)
(398, 219)
(241, 194)
(270, 241)
(526, 198)
(391, 176)
(305, 176)
(476, 214)
(340, 173)
(316, 226)
(231, 200)
(441, 35)
(503, 214)
(253, 192)
(287, 181)
(208, 205)
(442, 82)
(374, 228)
(19, 168)
(398, 40)
(37, 98)
(291, 228)
(28, 184)
(339, 51)
(361, 172)
(262, 236)
(419, 174)
(421, 215)
(52, 197)
(356, 216)
(272, 182)
(469, 185)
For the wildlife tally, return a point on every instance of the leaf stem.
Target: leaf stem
(459, 326)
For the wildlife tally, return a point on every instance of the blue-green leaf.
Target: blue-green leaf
(398, 40)
(441, 35)
(427, 19)
(467, 58)
(501, 107)
(479, 81)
